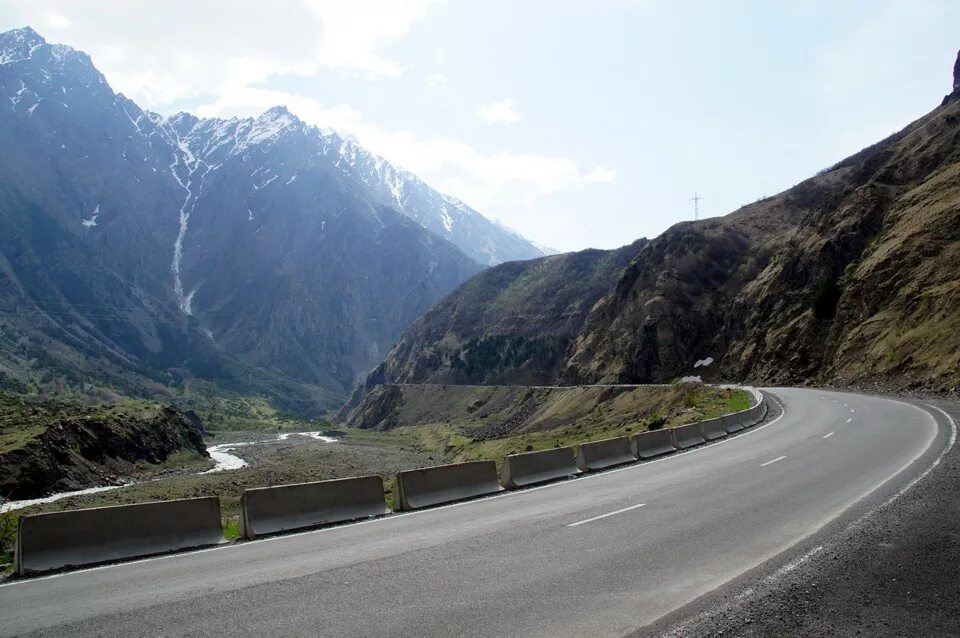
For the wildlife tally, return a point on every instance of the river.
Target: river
(221, 455)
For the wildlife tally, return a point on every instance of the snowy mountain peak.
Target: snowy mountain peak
(19, 45)
(49, 77)
(271, 124)
(22, 37)
(25, 49)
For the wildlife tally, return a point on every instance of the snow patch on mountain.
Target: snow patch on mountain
(90, 223)
(447, 220)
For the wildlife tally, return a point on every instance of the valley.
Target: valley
(194, 305)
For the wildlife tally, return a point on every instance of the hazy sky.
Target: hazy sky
(587, 123)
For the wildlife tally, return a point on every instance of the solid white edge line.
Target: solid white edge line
(828, 435)
(749, 592)
(779, 458)
(597, 518)
(397, 515)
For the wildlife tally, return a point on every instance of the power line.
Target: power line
(696, 206)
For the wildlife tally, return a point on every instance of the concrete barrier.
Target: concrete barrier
(269, 510)
(536, 467)
(99, 535)
(761, 411)
(688, 436)
(713, 429)
(733, 422)
(647, 445)
(598, 455)
(445, 483)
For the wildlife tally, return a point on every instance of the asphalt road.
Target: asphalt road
(601, 555)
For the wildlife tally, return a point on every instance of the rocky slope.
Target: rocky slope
(851, 276)
(509, 324)
(47, 448)
(260, 253)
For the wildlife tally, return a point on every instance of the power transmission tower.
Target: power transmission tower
(696, 206)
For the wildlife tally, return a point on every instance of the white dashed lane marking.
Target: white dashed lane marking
(779, 458)
(597, 518)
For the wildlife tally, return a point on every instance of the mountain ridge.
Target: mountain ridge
(153, 251)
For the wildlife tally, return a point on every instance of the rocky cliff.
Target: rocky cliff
(47, 448)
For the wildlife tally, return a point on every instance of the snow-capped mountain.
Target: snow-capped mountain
(485, 241)
(133, 229)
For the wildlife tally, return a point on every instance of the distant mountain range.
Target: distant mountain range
(851, 276)
(148, 251)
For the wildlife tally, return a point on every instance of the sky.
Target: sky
(577, 123)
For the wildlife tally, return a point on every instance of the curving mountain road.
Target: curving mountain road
(601, 555)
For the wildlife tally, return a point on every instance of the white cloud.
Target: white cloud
(600, 175)
(354, 30)
(499, 112)
(56, 20)
(437, 80)
(175, 50)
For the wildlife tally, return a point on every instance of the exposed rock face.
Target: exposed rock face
(956, 73)
(92, 450)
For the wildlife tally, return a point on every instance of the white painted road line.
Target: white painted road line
(828, 435)
(779, 458)
(597, 518)
(850, 419)
(851, 410)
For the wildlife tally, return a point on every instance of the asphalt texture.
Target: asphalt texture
(642, 548)
(894, 571)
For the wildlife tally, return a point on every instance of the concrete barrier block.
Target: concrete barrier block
(686, 436)
(536, 467)
(732, 422)
(598, 455)
(98, 535)
(713, 429)
(445, 484)
(270, 510)
(647, 445)
(755, 414)
(762, 410)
